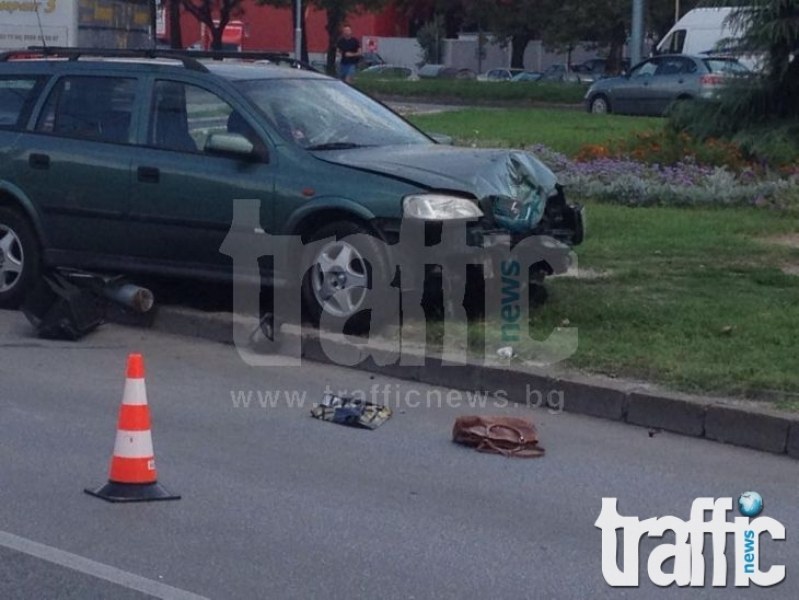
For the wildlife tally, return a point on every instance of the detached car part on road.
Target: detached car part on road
(125, 162)
(653, 85)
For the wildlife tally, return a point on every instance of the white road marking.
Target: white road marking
(95, 569)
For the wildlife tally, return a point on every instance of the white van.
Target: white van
(699, 30)
(705, 30)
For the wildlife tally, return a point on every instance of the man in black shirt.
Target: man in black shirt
(350, 50)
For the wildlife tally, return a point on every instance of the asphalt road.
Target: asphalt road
(279, 505)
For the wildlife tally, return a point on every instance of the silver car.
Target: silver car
(651, 86)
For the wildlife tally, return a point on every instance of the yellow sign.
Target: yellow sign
(12, 6)
(103, 14)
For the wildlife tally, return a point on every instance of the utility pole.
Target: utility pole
(676, 10)
(479, 48)
(637, 34)
(298, 30)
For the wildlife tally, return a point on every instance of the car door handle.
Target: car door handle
(148, 174)
(39, 161)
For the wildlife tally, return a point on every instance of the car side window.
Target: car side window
(646, 69)
(184, 116)
(670, 66)
(688, 66)
(94, 108)
(17, 96)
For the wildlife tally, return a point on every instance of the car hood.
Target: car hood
(515, 182)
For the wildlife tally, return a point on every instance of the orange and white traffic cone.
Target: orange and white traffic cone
(132, 476)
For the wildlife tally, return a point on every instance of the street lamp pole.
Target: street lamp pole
(637, 33)
(298, 30)
(676, 10)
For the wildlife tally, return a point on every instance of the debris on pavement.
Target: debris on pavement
(263, 336)
(351, 411)
(68, 304)
(509, 436)
(59, 309)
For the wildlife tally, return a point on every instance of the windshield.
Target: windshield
(325, 114)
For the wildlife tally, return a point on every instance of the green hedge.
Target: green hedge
(476, 91)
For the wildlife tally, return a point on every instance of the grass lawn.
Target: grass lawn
(563, 130)
(702, 300)
(693, 298)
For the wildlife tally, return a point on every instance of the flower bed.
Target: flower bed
(624, 180)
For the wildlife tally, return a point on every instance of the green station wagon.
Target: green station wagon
(130, 163)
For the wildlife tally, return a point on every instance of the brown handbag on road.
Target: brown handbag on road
(509, 436)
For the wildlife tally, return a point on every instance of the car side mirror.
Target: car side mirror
(233, 145)
(442, 138)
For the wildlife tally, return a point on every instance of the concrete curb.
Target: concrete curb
(725, 420)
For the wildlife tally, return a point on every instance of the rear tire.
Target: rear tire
(599, 105)
(20, 257)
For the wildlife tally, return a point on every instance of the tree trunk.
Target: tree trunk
(216, 37)
(334, 18)
(617, 40)
(175, 32)
(519, 44)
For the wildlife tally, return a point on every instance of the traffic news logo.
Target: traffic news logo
(687, 551)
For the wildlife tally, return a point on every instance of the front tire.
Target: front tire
(19, 257)
(342, 275)
(599, 105)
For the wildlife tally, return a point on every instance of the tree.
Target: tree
(661, 15)
(207, 11)
(515, 22)
(175, 31)
(772, 27)
(562, 24)
(421, 12)
(429, 37)
(760, 113)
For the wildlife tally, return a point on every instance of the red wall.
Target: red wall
(272, 28)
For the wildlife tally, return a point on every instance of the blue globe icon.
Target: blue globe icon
(750, 504)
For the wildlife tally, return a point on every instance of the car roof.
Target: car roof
(241, 71)
(230, 69)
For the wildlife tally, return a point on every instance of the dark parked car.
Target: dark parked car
(133, 166)
(653, 85)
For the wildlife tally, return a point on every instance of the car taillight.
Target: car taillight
(711, 79)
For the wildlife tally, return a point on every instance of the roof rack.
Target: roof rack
(187, 57)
